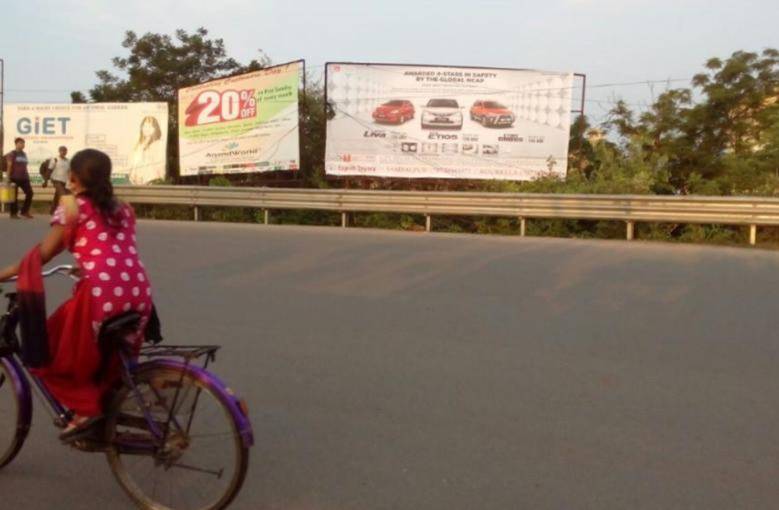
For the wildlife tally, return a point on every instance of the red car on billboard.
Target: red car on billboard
(492, 114)
(396, 111)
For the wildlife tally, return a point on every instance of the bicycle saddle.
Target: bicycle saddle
(123, 324)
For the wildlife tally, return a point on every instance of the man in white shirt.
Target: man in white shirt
(59, 168)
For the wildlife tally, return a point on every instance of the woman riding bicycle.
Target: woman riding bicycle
(99, 231)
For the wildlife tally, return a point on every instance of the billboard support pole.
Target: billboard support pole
(3, 175)
(299, 173)
(581, 112)
(2, 109)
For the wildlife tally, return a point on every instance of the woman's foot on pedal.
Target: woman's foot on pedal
(80, 427)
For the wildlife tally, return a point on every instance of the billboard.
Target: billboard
(447, 122)
(246, 123)
(134, 135)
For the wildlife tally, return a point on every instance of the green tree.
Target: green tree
(741, 97)
(158, 65)
(312, 134)
(580, 150)
(719, 128)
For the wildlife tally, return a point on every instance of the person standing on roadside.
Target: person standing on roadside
(16, 162)
(59, 169)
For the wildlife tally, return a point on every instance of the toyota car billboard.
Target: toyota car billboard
(447, 122)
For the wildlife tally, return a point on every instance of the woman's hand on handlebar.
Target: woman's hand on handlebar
(7, 273)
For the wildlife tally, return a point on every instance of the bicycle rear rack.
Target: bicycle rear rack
(187, 352)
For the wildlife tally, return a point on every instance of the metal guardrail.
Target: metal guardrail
(748, 211)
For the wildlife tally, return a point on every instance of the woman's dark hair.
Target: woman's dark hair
(93, 170)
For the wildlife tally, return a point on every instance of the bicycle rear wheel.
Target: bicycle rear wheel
(203, 462)
(15, 410)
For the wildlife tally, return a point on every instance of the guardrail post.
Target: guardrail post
(344, 219)
(630, 230)
(197, 213)
(265, 216)
(753, 235)
(428, 223)
(522, 227)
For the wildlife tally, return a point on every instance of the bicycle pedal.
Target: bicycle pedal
(85, 445)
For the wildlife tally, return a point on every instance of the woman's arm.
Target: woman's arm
(53, 243)
(8, 272)
(51, 246)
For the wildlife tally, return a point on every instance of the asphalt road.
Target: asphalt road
(416, 371)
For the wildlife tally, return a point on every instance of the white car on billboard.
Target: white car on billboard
(442, 113)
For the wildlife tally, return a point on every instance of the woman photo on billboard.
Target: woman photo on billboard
(144, 167)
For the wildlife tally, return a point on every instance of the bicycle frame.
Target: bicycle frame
(63, 415)
(24, 396)
(21, 373)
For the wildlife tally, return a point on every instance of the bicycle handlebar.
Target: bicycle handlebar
(63, 269)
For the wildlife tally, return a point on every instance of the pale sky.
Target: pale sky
(55, 46)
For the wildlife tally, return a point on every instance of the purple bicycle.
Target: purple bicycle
(174, 435)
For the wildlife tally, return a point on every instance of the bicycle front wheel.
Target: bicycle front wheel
(202, 462)
(15, 410)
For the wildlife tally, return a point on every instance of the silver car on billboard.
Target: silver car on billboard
(442, 113)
